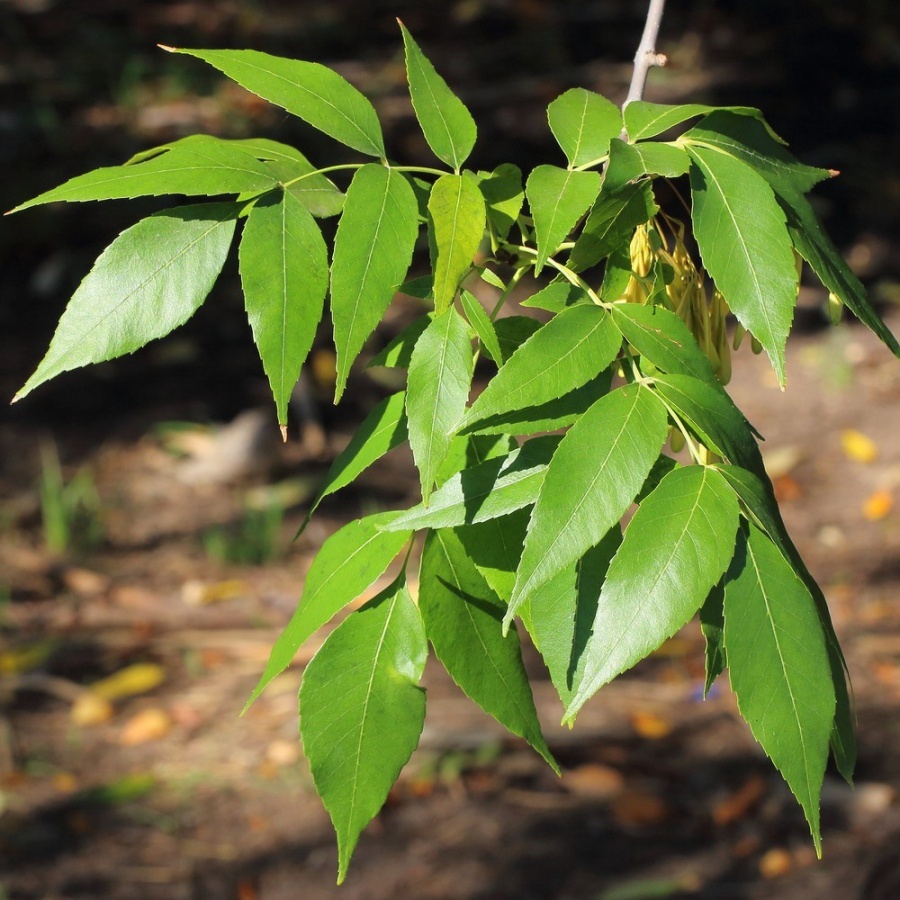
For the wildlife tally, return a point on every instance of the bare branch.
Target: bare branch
(646, 56)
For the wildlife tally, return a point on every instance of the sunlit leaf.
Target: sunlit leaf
(583, 124)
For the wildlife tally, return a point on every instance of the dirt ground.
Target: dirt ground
(170, 794)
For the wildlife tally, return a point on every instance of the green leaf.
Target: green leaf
(594, 475)
(440, 376)
(495, 547)
(558, 198)
(398, 352)
(750, 141)
(779, 666)
(745, 246)
(347, 564)
(629, 162)
(486, 491)
(664, 340)
(547, 416)
(504, 195)
(478, 319)
(470, 450)
(284, 274)
(150, 279)
(712, 415)
(758, 501)
(197, 166)
(675, 550)
(316, 192)
(512, 332)
(458, 214)
(372, 252)
(570, 350)
(462, 619)
(583, 124)
(559, 616)
(646, 120)
(383, 429)
(311, 91)
(362, 711)
(446, 123)
(712, 623)
(556, 297)
(611, 223)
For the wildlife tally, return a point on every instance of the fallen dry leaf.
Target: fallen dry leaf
(878, 505)
(130, 681)
(737, 804)
(858, 447)
(651, 726)
(147, 725)
(90, 709)
(594, 780)
(775, 862)
(637, 807)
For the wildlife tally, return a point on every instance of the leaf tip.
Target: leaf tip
(834, 172)
(167, 48)
(283, 430)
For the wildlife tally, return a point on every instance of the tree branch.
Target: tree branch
(646, 56)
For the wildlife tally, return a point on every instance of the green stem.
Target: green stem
(423, 170)
(516, 278)
(568, 274)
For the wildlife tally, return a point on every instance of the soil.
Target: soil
(173, 795)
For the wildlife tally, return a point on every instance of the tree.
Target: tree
(524, 489)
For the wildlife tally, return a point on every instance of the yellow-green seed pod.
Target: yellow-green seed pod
(835, 309)
(676, 439)
(739, 334)
(755, 346)
(641, 252)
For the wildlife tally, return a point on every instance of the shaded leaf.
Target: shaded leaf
(462, 619)
(503, 195)
(495, 547)
(311, 91)
(712, 623)
(512, 332)
(347, 564)
(284, 275)
(362, 711)
(440, 376)
(556, 297)
(560, 614)
(779, 668)
(664, 340)
(594, 475)
(558, 198)
(150, 279)
(612, 220)
(458, 214)
(646, 120)
(547, 416)
(398, 352)
(478, 319)
(446, 123)
(583, 124)
(488, 490)
(372, 252)
(629, 162)
(570, 350)
(675, 550)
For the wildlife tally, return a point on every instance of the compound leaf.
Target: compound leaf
(284, 274)
(570, 350)
(675, 550)
(440, 376)
(558, 198)
(347, 564)
(583, 124)
(150, 279)
(446, 123)
(779, 667)
(362, 711)
(372, 252)
(596, 472)
(311, 91)
(457, 210)
(463, 622)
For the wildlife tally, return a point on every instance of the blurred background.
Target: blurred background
(147, 505)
